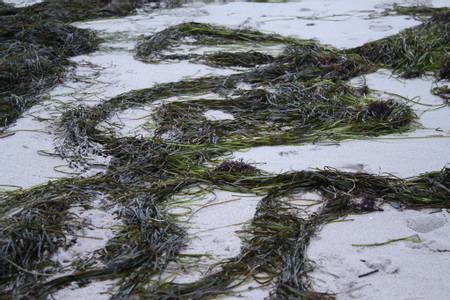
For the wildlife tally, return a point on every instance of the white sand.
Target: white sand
(213, 221)
(97, 290)
(99, 227)
(118, 72)
(20, 161)
(402, 158)
(138, 121)
(213, 224)
(217, 115)
(330, 22)
(22, 3)
(407, 270)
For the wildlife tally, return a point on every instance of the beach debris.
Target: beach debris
(412, 238)
(238, 166)
(395, 205)
(368, 273)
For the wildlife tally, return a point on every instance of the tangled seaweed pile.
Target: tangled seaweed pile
(415, 51)
(36, 42)
(150, 237)
(298, 96)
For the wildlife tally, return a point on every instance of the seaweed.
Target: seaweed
(411, 53)
(152, 48)
(142, 179)
(78, 10)
(38, 222)
(239, 167)
(276, 241)
(320, 69)
(414, 51)
(298, 96)
(323, 110)
(416, 11)
(36, 42)
(443, 92)
(236, 59)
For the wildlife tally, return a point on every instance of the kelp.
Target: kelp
(6, 9)
(248, 59)
(142, 179)
(288, 113)
(298, 96)
(301, 59)
(236, 167)
(148, 241)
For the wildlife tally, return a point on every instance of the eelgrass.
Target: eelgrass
(34, 225)
(154, 47)
(414, 51)
(36, 42)
(321, 69)
(277, 239)
(416, 11)
(411, 53)
(443, 92)
(298, 96)
(324, 109)
(145, 175)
